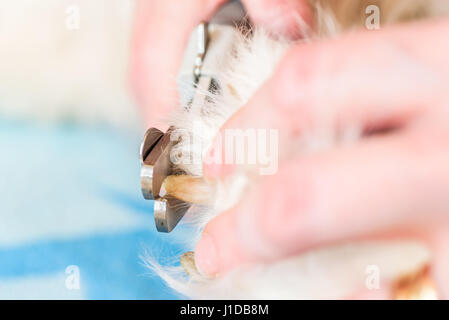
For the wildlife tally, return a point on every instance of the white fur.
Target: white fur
(327, 273)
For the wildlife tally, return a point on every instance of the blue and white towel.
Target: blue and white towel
(72, 220)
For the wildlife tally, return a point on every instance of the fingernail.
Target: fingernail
(206, 258)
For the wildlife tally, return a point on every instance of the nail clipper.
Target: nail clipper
(210, 40)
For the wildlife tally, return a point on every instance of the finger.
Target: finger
(161, 32)
(351, 192)
(362, 83)
(284, 17)
(372, 79)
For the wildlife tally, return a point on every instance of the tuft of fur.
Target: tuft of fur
(181, 187)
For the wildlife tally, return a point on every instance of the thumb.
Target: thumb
(160, 35)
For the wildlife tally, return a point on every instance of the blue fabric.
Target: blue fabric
(70, 196)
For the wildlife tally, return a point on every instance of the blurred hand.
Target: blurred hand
(161, 32)
(389, 184)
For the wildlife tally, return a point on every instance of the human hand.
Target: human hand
(394, 182)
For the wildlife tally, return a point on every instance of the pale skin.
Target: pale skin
(389, 185)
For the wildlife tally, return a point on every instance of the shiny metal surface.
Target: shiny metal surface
(168, 211)
(156, 166)
(202, 41)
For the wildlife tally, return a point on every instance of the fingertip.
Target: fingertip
(215, 244)
(220, 247)
(206, 259)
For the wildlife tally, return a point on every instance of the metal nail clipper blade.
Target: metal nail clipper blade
(209, 40)
(155, 167)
